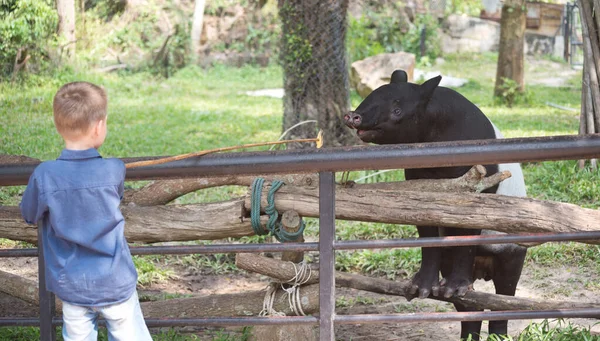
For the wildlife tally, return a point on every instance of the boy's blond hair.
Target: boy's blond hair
(77, 106)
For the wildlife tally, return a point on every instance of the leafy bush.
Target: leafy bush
(25, 25)
(411, 41)
(511, 94)
(378, 32)
(466, 7)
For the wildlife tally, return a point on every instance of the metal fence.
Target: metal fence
(326, 162)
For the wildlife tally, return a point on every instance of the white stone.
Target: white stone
(370, 73)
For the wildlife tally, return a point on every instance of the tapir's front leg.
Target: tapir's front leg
(460, 279)
(427, 279)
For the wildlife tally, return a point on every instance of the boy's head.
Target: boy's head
(80, 112)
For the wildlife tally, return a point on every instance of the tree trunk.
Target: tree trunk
(316, 82)
(66, 25)
(284, 271)
(197, 28)
(511, 48)
(590, 99)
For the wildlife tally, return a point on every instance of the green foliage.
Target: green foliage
(378, 32)
(571, 254)
(148, 272)
(26, 25)
(106, 8)
(510, 93)
(388, 263)
(465, 7)
(296, 47)
(170, 334)
(411, 41)
(361, 40)
(209, 264)
(558, 330)
(563, 181)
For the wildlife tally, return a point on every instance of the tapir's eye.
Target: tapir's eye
(397, 111)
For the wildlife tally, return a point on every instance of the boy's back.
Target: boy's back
(88, 261)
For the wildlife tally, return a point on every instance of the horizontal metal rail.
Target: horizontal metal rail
(400, 156)
(344, 245)
(469, 316)
(349, 319)
(205, 322)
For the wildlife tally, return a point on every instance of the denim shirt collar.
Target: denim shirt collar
(69, 154)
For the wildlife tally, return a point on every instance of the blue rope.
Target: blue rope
(273, 224)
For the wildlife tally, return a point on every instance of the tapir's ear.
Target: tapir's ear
(399, 76)
(428, 87)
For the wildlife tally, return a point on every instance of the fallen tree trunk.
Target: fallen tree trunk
(464, 210)
(238, 304)
(22, 288)
(283, 271)
(156, 223)
(229, 219)
(222, 220)
(161, 192)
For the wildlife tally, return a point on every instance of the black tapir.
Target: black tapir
(402, 112)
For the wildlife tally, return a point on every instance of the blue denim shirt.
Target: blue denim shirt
(77, 198)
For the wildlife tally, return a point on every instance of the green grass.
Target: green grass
(557, 330)
(165, 334)
(149, 273)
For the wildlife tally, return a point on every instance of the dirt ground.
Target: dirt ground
(541, 282)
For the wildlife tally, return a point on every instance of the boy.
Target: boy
(88, 263)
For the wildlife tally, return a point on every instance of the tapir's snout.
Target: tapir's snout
(352, 119)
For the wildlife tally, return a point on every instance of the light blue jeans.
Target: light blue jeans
(124, 321)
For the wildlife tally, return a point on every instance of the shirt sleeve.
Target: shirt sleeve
(32, 205)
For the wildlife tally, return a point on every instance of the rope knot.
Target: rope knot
(274, 226)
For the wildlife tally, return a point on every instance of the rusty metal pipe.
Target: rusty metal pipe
(420, 155)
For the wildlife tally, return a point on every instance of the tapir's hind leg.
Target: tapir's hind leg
(507, 271)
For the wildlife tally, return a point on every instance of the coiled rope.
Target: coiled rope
(292, 288)
(274, 226)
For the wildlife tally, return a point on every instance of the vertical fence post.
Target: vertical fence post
(326, 255)
(47, 330)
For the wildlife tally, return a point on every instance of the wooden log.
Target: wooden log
(238, 304)
(22, 288)
(162, 192)
(291, 222)
(6, 159)
(283, 271)
(216, 220)
(474, 180)
(464, 210)
(228, 219)
(156, 224)
(221, 220)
